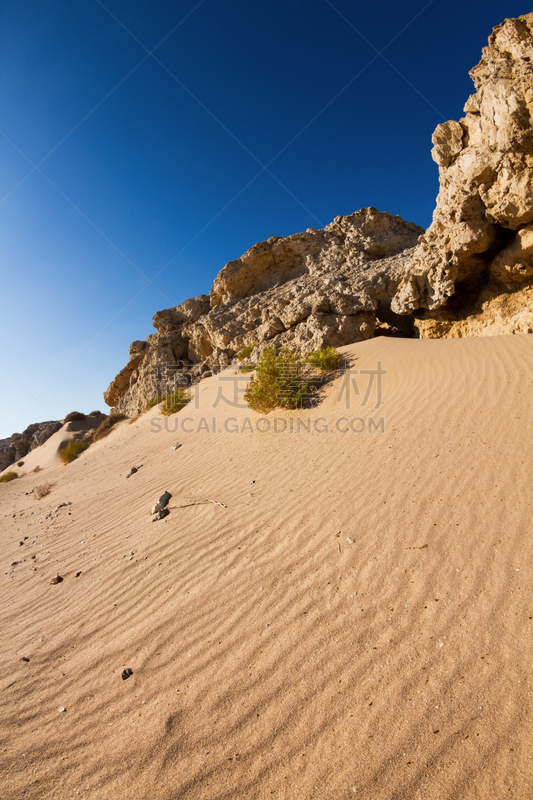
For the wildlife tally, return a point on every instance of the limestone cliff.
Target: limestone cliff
(321, 287)
(480, 243)
(470, 274)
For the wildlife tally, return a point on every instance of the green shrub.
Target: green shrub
(20, 463)
(174, 402)
(153, 402)
(280, 382)
(9, 476)
(72, 451)
(74, 416)
(245, 352)
(326, 359)
(247, 368)
(105, 428)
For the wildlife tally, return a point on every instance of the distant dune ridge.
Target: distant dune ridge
(328, 602)
(470, 274)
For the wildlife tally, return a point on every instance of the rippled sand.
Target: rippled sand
(354, 621)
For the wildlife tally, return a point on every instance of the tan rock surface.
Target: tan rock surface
(485, 203)
(321, 287)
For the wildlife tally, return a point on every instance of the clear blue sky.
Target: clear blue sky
(145, 144)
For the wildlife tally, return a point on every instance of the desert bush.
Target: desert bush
(96, 414)
(174, 402)
(245, 352)
(280, 381)
(9, 476)
(74, 416)
(20, 463)
(326, 359)
(153, 402)
(72, 451)
(105, 428)
(43, 489)
(247, 368)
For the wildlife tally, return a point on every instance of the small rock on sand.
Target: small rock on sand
(161, 504)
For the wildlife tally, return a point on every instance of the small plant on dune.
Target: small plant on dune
(280, 381)
(20, 463)
(9, 476)
(174, 402)
(37, 468)
(72, 451)
(327, 359)
(105, 428)
(43, 489)
(74, 416)
(247, 368)
(153, 402)
(245, 352)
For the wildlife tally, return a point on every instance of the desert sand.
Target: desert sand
(354, 620)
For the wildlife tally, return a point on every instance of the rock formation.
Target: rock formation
(18, 445)
(321, 287)
(470, 274)
(480, 243)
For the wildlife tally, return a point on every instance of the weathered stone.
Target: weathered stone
(277, 293)
(486, 176)
(162, 503)
(18, 445)
(515, 262)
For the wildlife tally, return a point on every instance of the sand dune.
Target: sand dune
(49, 453)
(354, 621)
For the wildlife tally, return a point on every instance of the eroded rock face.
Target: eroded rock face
(470, 274)
(309, 290)
(481, 227)
(17, 446)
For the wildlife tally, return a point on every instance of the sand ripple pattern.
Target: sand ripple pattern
(357, 622)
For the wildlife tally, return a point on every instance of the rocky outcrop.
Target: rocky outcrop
(17, 446)
(481, 237)
(309, 290)
(470, 274)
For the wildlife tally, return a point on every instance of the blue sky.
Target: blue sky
(143, 145)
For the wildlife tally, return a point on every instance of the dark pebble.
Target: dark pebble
(126, 674)
(27, 660)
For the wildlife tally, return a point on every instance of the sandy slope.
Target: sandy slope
(49, 454)
(271, 656)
